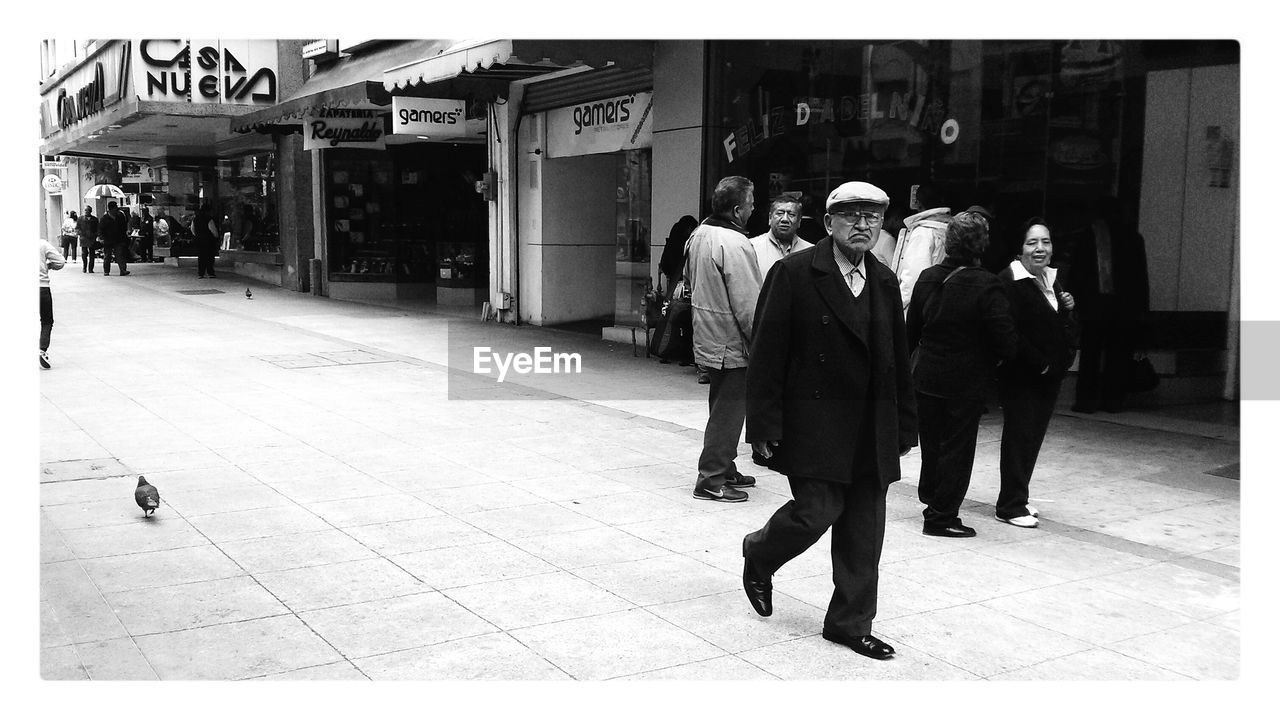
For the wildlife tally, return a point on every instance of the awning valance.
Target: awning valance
(350, 82)
(483, 69)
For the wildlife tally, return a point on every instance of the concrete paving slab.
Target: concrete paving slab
(978, 639)
(720, 669)
(541, 519)
(537, 600)
(405, 536)
(61, 663)
(585, 548)
(1098, 664)
(1204, 651)
(236, 650)
(662, 579)
(984, 577)
(813, 658)
(719, 619)
(118, 659)
(636, 641)
(192, 605)
(1083, 610)
(159, 568)
(160, 532)
(287, 552)
(401, 623)
(454, 567)
(1193, 593)
(322, 586)
(343, 670)
(495, 656)
(264, 522)
(388, 507)
(73, 604)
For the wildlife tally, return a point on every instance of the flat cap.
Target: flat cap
(857, 192)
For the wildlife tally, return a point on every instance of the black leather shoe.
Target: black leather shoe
(759, 589)
(956, 529)
(741, 481)
(868, 645)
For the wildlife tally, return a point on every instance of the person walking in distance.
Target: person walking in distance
(830, 405)
(205, 228)
(69, 236)
(50, 259)
(113, 229)
(146, 236)
(87, 229)
(725, 279)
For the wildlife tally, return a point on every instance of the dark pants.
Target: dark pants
(948, 440)
(144, 251)
(121, 253)
(1106, 348)
(88, 257)
(1028, 406)
(855, 514)
(69, 247)
(204, 257)
(728, 412)
(46, 317)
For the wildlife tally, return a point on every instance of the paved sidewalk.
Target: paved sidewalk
(330, 513)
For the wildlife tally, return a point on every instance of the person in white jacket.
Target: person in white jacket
(921, 245)
(50, 258)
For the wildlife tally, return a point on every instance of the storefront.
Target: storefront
(151, 116)
(585, 208)
(1025, 128)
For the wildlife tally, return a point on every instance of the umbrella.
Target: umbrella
(104, 191)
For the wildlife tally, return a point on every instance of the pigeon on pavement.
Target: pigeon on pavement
(248, 294)
(147, 496)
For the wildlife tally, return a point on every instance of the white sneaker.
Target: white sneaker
(1023, 521)
(1032, 511)
(44, 360)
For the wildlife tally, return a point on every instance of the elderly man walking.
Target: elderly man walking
(725, 281)
(830, 405)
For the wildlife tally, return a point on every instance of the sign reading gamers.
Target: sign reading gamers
(601, 126)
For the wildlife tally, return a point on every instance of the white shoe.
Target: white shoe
(1032, 511)
(1022, 521)
(44, 360)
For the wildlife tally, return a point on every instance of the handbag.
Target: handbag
(1142, 374)
(673, 339)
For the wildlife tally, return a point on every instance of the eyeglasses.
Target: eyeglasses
(853, 216)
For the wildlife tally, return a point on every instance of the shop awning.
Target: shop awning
(352, 81)
(483, 69)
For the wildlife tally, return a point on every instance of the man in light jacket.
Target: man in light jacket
(725, 279)
(922, 244)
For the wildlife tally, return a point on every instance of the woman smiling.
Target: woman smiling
(1042, 314)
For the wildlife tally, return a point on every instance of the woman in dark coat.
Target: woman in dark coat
(1042, 314)
(958, 329)
(672, 262)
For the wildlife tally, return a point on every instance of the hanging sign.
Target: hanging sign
(52, 184)
(601, 126)
(334, 128)
(428, 116)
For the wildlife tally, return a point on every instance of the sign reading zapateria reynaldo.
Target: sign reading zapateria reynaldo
(331, 128)
(601, 126)
(428, 116)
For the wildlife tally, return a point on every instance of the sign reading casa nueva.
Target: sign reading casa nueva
(238, 72)
(428, 116)
(600, 126)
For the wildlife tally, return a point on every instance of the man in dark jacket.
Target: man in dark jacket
(829, 404)
(112, 229)
(87, 229)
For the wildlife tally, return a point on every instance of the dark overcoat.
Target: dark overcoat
(815, 368)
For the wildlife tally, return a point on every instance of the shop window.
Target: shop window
(246, 203)
(407, 214)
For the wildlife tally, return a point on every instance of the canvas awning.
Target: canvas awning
(483, 69)
(350, 82)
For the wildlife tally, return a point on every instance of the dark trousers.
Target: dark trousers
(69, 247)
(948, 440)
(145, 253)
(121, 253)
(1106, 347)
(1028, 406)
(46, 317)
(204, 257)
(727, 403)
(88, 257)
(855, 514)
